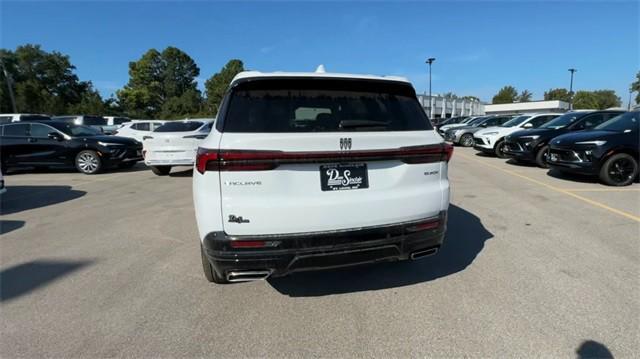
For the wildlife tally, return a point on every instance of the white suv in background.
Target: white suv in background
(316, 170)
(174, 144)
(138, 129)
(491, 140)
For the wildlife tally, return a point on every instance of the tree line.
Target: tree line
(162, 84)
(598, 99)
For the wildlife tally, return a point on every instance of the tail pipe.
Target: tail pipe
(248, 275)
(424, 253)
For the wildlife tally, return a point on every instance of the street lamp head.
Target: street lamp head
(573, 70)
(430, 60)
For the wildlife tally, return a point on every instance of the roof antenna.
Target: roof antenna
(320, 69)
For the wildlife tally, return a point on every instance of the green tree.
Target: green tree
(635, 87)
(42, 82)
(161, 84)
(507, 94)
(560, 94)
(219, 82)
(599, 99)
(525, 96)
(472, 98)
(90, 104)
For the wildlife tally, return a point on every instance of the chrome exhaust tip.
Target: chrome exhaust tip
(424, 253)
(248, 275)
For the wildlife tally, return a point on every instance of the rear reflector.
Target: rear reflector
(248, 244)
(249, 160)
(423, 226)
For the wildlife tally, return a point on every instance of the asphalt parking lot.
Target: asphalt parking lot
(534, 265)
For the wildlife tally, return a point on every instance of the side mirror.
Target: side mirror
(483, 125)
(527, 125)
(55, 136)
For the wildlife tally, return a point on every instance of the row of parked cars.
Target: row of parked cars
(92, 145)
(597, 143)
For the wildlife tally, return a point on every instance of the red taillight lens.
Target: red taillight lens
(448, 152)
(207, 160)
(423, 226)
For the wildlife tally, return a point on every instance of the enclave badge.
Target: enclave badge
(345, 143)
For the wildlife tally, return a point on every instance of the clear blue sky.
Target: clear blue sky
(479, 46)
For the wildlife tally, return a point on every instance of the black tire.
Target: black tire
(210, 273)
(466, 140)
(499, 149)
(88, 162)
(619, 170)
(160, 170)
(541, 157)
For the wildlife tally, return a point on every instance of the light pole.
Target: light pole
(571, 89)
(629, 103)
(430, 61)
(8, 79)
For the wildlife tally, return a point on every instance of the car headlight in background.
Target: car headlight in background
(530, 138)
(489, 133)
(596, 143)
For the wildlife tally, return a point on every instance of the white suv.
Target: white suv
(491, 140)
(316, 170)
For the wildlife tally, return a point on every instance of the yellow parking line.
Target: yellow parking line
(557, 189)
(602, 189)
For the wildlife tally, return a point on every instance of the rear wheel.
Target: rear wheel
(161, 170)
(619, 170)
(88, 162)
(499, 149)
(541, 157)
(210, 273)
(466, 140)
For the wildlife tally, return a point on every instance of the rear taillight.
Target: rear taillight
(247, 160)
(423, 226)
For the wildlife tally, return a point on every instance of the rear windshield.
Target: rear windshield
(94, 121)
(179, 127)
(120, 120)
(321, 105)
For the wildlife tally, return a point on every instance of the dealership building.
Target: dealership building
(527, 107)
(438, 106)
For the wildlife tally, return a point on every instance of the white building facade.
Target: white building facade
(443, 107)
(527, 107)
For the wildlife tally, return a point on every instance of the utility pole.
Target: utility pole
(8, 79)
(571, 89)
(430, 61)
(629, 103)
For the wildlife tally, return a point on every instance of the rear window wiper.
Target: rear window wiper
(362, 123)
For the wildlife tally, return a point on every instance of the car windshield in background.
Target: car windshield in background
(76, 130)
(562, 121)
(304, 105)
(477, 121)
(95, 121)
(34, 118)
(179, 126)
(515, 121)
(120, 120)
(626, 121)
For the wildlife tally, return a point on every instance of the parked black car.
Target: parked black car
(98, 122)
(610, 151)
(532, 145)
(61, 144)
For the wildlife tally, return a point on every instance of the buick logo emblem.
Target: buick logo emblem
(345, 143)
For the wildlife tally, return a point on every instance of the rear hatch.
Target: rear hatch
(168, 144)
(309, 155)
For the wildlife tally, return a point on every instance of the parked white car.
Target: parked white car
(467, 122)
(318, 170)
(491, 140)
(174, 144)
(113, 123)
(138, 129)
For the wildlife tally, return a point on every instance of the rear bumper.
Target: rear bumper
(322, 250)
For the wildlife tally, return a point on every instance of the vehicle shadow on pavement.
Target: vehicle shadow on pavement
(22, 198)
(513, 162)
(464, 241)
(9, 226)
(21, 279)
(593, 349)
(184, 173)
(571, 177)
